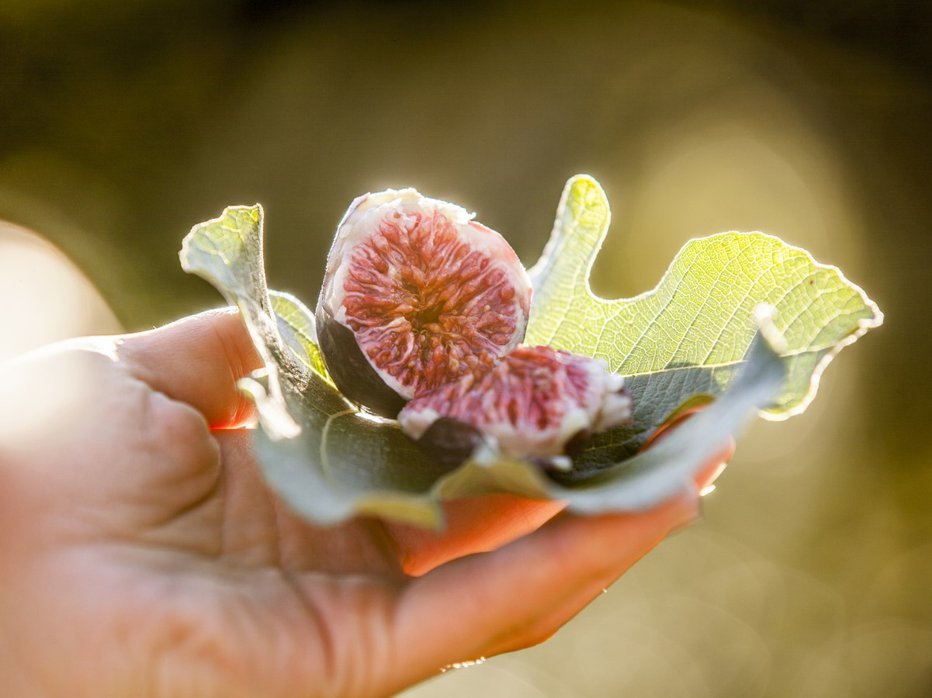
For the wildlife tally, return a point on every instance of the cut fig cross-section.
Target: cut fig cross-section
(536, 403)
(416, 294)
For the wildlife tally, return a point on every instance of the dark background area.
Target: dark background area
(123, 124)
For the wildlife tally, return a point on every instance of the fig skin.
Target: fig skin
(351, 371)
(450, 442)
(415, 294)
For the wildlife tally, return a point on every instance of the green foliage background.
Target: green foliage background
(121, 124)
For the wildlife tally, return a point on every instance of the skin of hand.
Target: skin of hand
(141, 554)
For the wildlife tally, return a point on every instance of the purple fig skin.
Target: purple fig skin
(351, 371)
(450, 441)
(416, 294)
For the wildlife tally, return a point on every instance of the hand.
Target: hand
(142, 555)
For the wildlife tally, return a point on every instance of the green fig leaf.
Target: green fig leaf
(655, 474)
(298, 331)
(330, 461)
(688, 337)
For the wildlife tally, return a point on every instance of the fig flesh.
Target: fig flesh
(416, 294)
(534, 403)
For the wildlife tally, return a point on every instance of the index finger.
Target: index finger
(476, 605)
(197, 360)
(481, 524)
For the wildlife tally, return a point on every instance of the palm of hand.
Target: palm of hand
(148, 558)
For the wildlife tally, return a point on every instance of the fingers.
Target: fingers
(545, 626)
(473, 525)
(197, 360)
(487, 603)
(481, 524)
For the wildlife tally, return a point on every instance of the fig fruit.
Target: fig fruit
(536, 402)
(416, 294)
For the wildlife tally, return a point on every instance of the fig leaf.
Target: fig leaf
(690, 335)
(330, 461)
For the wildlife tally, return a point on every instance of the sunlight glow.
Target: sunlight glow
(43, 296)
(464, 665)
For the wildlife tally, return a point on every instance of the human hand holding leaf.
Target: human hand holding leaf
(693, 338)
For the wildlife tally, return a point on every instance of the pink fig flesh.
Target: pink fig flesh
(416, 295)
(533, 403)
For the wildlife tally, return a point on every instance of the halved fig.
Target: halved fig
(416, 294)
(534, 403)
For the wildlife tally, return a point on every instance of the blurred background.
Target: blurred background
(124, 123)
